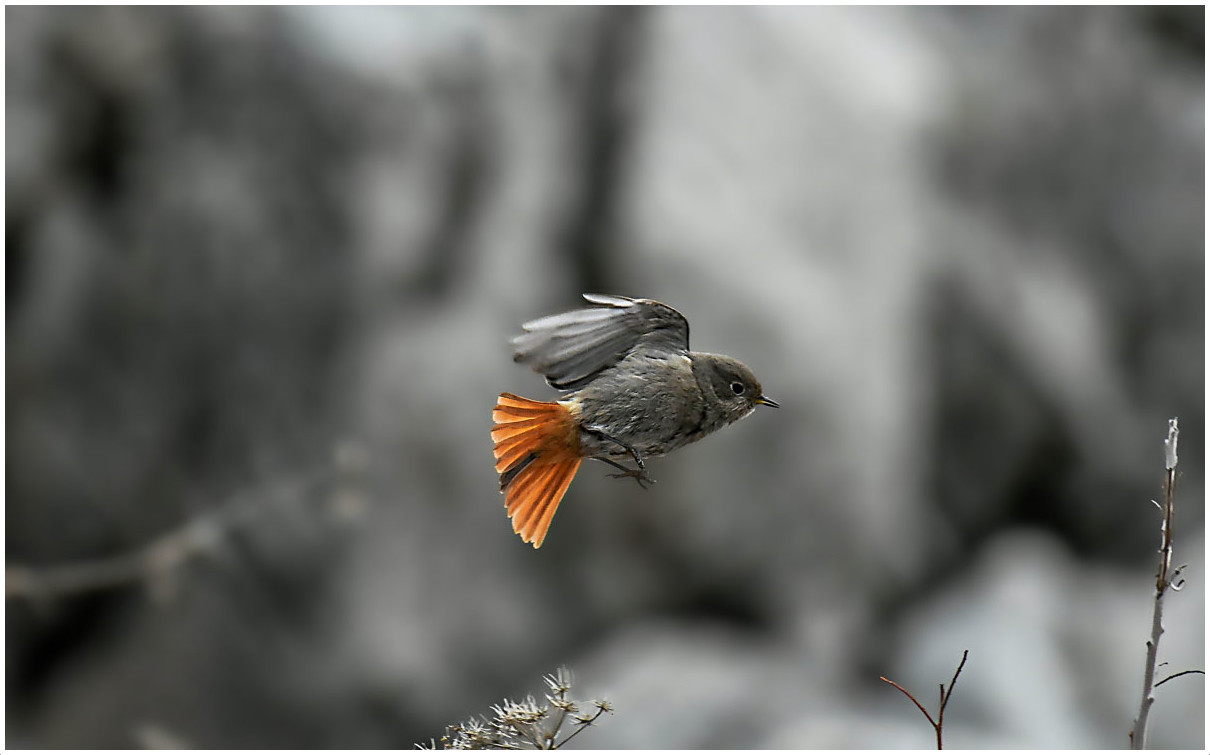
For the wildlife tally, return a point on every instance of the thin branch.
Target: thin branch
(913, 699)
(1173, 676)
(944, 698)
(1163, 581)
(157, 563)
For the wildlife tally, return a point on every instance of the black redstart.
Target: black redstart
(634, 390)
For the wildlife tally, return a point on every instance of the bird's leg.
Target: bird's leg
(640, 475)
(629, 449)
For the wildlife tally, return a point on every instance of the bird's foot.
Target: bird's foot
(638, 475)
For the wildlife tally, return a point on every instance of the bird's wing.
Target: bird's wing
(572, 347)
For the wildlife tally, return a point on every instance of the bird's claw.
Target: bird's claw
(638, 475)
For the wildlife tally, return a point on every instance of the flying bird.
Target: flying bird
(633, 388)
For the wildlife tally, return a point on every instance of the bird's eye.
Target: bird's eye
(737, 388)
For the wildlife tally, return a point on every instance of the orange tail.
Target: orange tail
(537, 455)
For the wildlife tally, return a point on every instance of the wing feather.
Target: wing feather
(570, 348)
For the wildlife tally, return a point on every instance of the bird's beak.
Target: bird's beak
(768, 402)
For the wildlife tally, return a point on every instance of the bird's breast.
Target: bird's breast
(650, 402)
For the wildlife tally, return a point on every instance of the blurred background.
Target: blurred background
(262, 266)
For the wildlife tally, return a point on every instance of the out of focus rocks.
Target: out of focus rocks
(963, 249)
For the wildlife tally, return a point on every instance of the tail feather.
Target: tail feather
(537, 456)
(540, 488)
(528, 495)
(513, 407)
(515, 428)
(563, 477)
(511, 452)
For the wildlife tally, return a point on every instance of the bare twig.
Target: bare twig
(1182, 673)
(944, 698)
(158, 562)
(911, 697)
(1164, 577)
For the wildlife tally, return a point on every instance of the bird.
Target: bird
(632, 390)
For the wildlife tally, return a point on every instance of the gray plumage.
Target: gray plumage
(634, 387)
(572, 347)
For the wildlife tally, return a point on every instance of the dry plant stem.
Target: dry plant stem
(157, 562)
(945, 693)
(526, 725)
(1163, 581)
(582, 724)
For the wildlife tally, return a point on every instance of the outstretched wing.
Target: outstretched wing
(572, 347)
